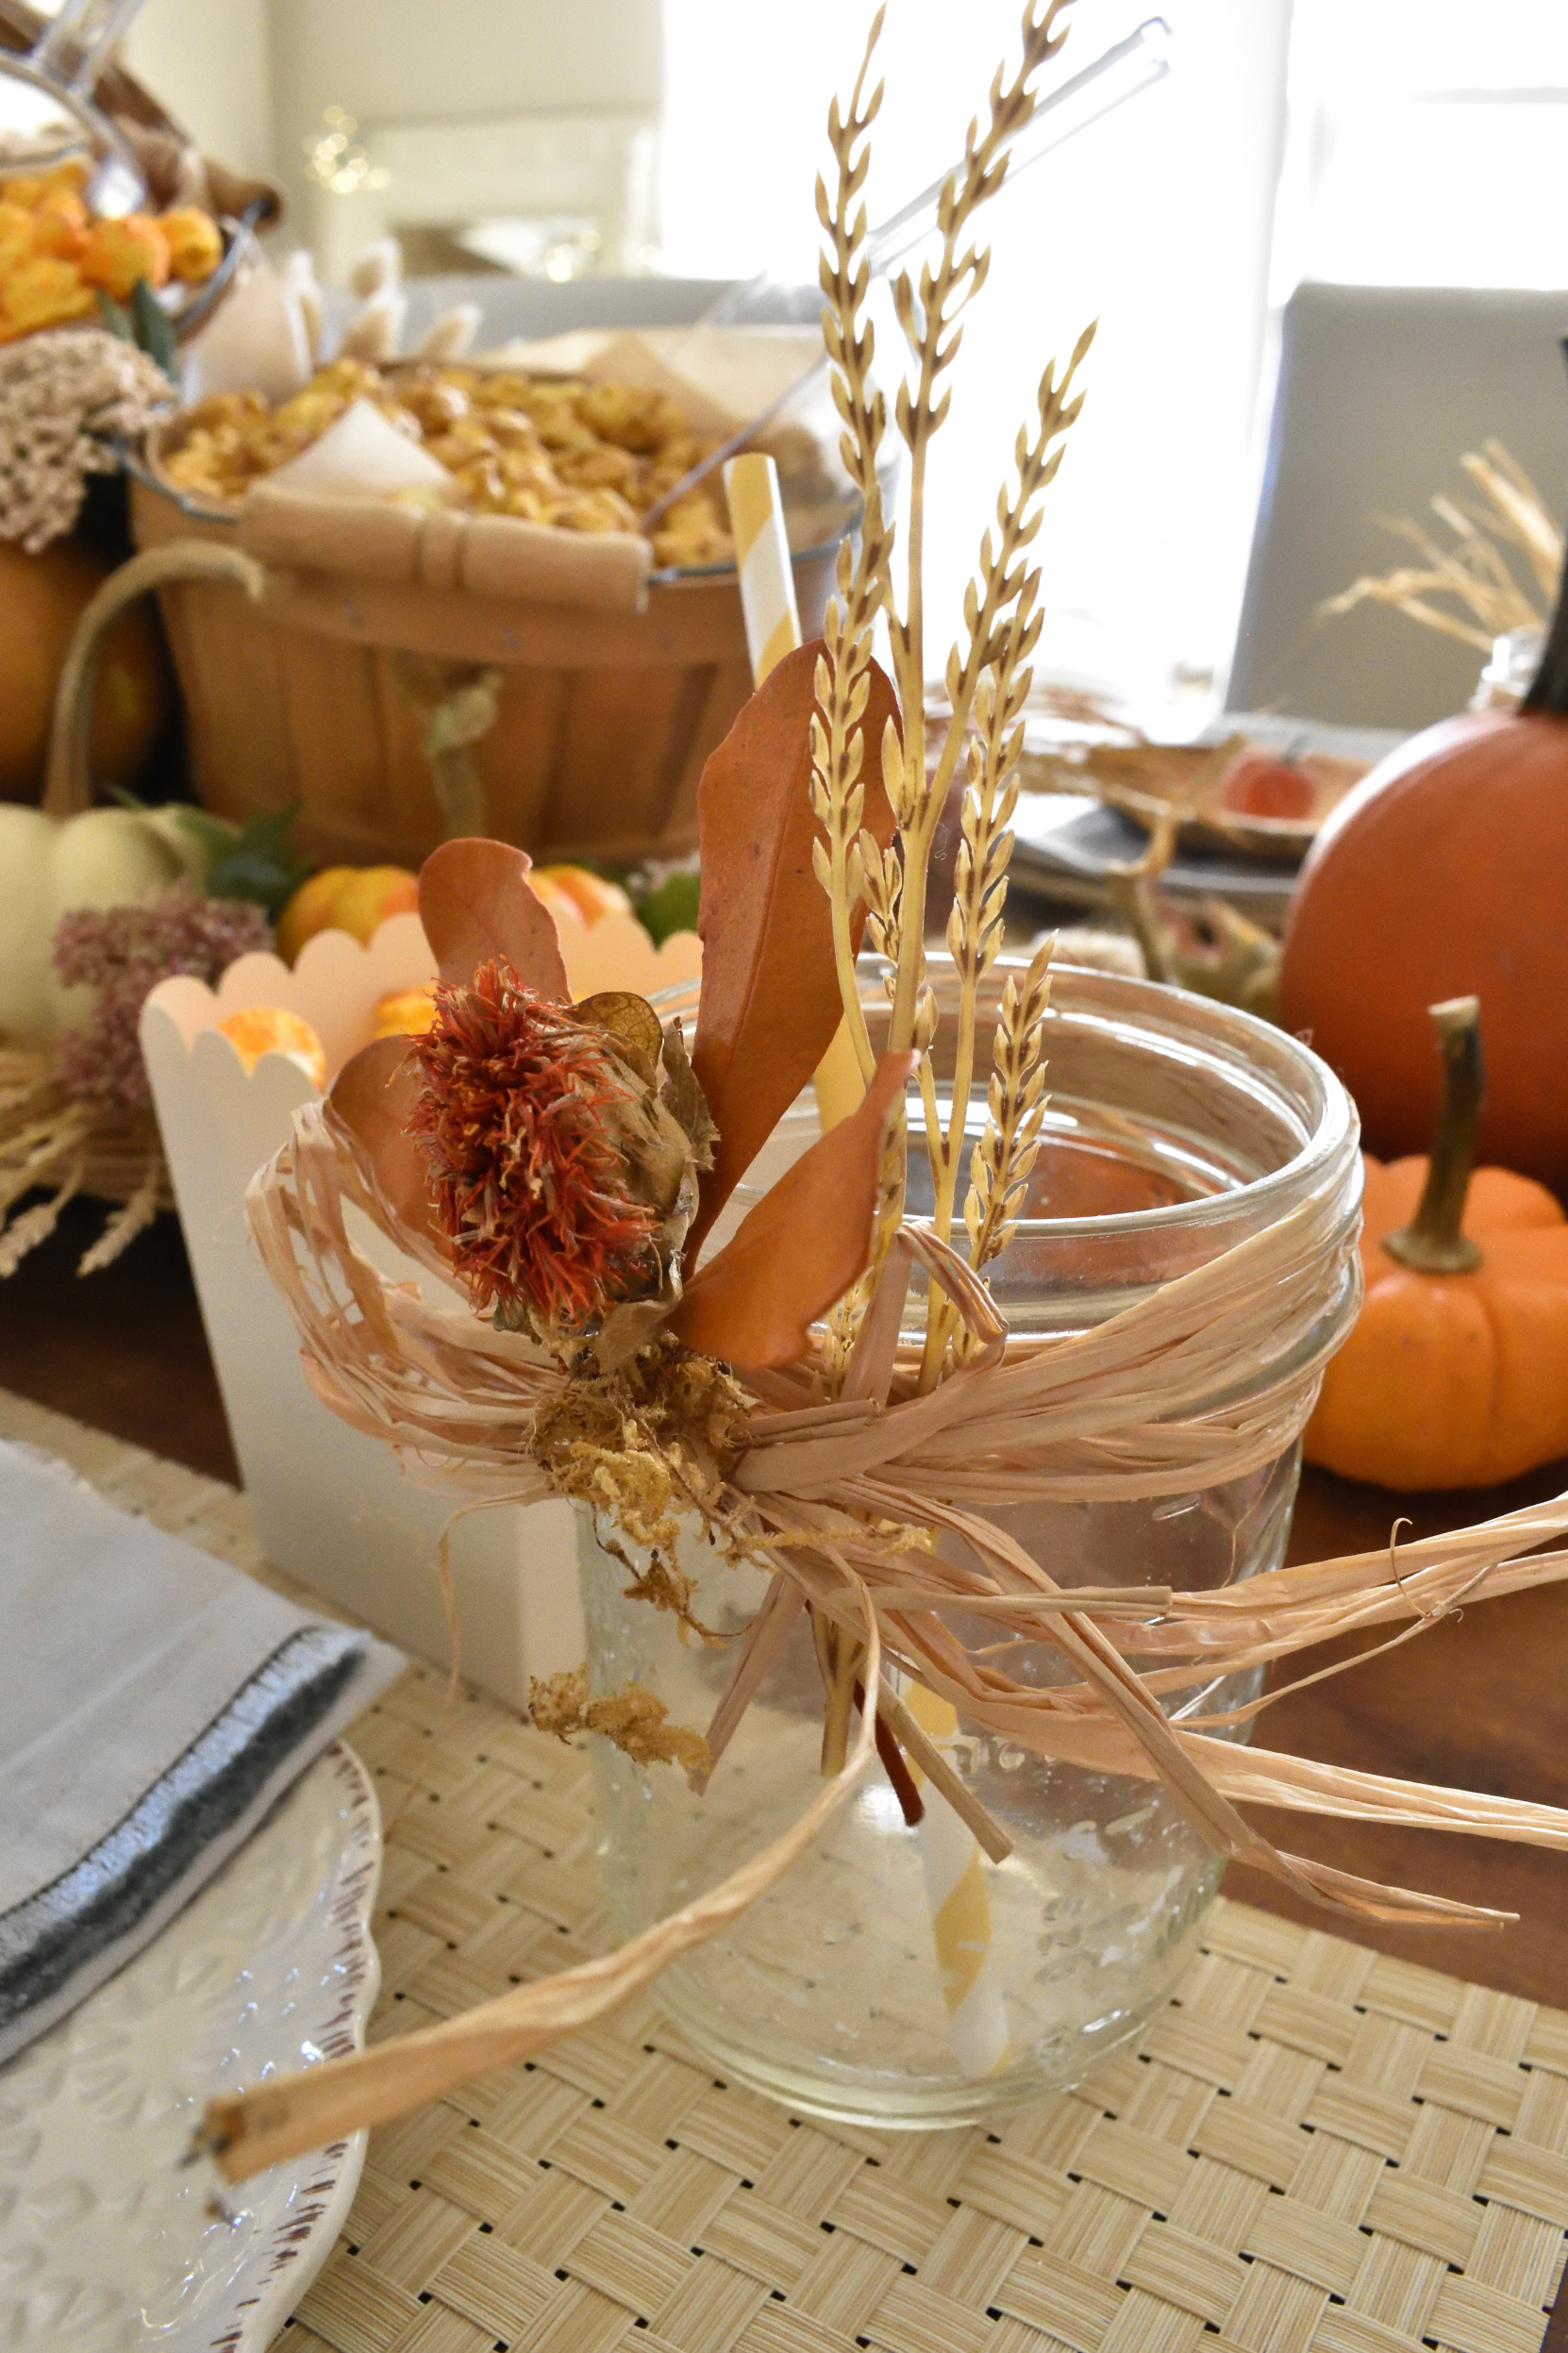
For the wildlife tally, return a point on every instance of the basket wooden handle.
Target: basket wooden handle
(67, 786)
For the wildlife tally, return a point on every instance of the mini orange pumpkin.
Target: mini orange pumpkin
(1456, 1373)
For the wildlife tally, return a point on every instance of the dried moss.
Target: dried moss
(646, 1447)
(633, 1718)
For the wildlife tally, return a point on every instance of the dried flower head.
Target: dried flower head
(561, 1175)
(62, 396)
(123, 952)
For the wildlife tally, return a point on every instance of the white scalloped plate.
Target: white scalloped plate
(106, 2245)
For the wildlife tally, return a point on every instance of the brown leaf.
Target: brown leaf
(802, 1244)
(632, 1021)
(770, 992)
(682, 1096)
(475, 901)
(370, 1104)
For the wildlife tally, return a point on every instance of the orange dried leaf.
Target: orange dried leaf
(802, 1244)
(370, 1105)
(770, 990)
(476, 902)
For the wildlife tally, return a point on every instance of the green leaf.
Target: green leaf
(116, 320)
(152, 330)
(255, 860)
(215, 834)
(670, 908)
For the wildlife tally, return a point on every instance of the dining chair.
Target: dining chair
(1379, 392)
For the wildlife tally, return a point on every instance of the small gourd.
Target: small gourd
(1456, 1372)
(101, 858)
(68, 853)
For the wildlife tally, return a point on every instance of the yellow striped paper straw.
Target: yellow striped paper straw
(951, 1859)
(762, 559)
(960, 1906)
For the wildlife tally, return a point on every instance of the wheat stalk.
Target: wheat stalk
(931, 322)
(990, 794)
(988, 679)
(837, 748)
(1519, 513)
(1001, 1162)
(1473, 573)
(838, 789)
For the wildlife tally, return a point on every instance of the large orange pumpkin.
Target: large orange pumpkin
(41, 599)
(1445, 873)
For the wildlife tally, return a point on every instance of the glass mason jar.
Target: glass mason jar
(863, 1987)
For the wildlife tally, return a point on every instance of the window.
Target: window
(1158, 221)
(1426, 144)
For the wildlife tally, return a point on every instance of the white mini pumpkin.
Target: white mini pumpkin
(48, 865)
(67, 853)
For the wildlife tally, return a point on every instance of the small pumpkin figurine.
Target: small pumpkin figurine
(1455, 1371)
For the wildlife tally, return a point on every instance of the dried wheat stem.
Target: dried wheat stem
(895, 882)
(934, 334)
(1001, 1162)
(1474, 571)
(838, 790)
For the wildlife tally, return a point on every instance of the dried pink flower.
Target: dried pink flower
(123, 952)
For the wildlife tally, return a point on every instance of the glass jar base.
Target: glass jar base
(905, 2103)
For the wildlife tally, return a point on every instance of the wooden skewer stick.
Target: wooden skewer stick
(769, 1631)
(924, 1752)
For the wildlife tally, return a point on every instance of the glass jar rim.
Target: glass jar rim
(1116, 1001)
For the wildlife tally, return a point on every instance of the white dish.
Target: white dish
(107, 2244)
(1068, 843)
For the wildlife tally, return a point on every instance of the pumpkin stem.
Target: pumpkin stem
(1432, 1243)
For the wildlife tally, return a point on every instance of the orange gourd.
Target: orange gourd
(1441, 875)
(1456, 1372)
(41, 599)
(357, 899)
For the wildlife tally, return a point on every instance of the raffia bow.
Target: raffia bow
(837, 1498)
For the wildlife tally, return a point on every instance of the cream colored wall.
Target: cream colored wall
(409, 62)
(406, 60)
(208, 60)
(250, 78)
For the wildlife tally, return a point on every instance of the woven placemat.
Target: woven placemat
(1313, 2149)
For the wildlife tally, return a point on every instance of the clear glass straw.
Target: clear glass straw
(1132, 65)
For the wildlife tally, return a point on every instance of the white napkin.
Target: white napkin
(257, 339)
(154, 1704)
(361, 456)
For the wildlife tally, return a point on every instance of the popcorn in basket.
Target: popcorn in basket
(493, 556)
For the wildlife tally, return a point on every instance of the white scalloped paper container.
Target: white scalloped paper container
(331, 1507)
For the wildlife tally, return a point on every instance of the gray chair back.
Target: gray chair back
(1379, 390)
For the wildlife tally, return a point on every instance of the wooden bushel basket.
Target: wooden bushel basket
(601, 725)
